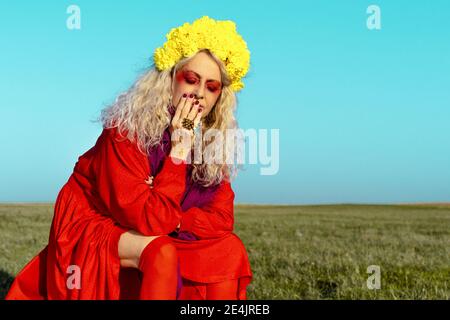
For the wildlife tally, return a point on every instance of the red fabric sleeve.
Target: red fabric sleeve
(214, 219)
(121, 171)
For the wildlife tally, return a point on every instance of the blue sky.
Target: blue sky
(363, 114)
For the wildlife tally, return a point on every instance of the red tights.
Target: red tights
(158, 264)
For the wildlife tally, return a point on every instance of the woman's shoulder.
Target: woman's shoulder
(115, 133)
(117, 136)
(114, 143)
(224, 189)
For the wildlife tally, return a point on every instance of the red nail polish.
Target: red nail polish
(191, 95)
(197, 102)
(184, 95)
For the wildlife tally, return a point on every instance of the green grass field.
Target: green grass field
(300, 252)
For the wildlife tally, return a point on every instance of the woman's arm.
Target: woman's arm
(121, 171)
(213, 220)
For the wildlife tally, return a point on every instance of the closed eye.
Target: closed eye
(213, 88)
(191, 80)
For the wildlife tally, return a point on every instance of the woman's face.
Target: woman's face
(201, 77)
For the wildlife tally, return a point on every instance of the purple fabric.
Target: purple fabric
(185, 235)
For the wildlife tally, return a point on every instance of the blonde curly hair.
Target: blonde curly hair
(141, 113)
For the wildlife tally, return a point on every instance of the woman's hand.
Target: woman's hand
(182, 138)
(149, 181)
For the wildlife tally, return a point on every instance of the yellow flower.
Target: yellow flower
(220, 37)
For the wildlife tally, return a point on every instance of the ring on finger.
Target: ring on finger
(187, 124)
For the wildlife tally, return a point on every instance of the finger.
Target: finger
(187, 106)
(180, 106)
(198, 118)
(194, 111)
(149, 179)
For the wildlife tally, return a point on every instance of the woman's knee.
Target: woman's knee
(132, 244)
(162, 253)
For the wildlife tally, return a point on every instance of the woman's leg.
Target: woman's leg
(225, 290)
(156, 257)
(192, 290)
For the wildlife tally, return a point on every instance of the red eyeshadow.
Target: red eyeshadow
(214, 86)
(191, 78)
(180, 76)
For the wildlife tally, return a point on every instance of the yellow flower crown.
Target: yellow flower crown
(220, 37)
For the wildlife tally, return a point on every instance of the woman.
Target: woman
(138, 219)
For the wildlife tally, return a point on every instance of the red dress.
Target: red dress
(105, 196)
